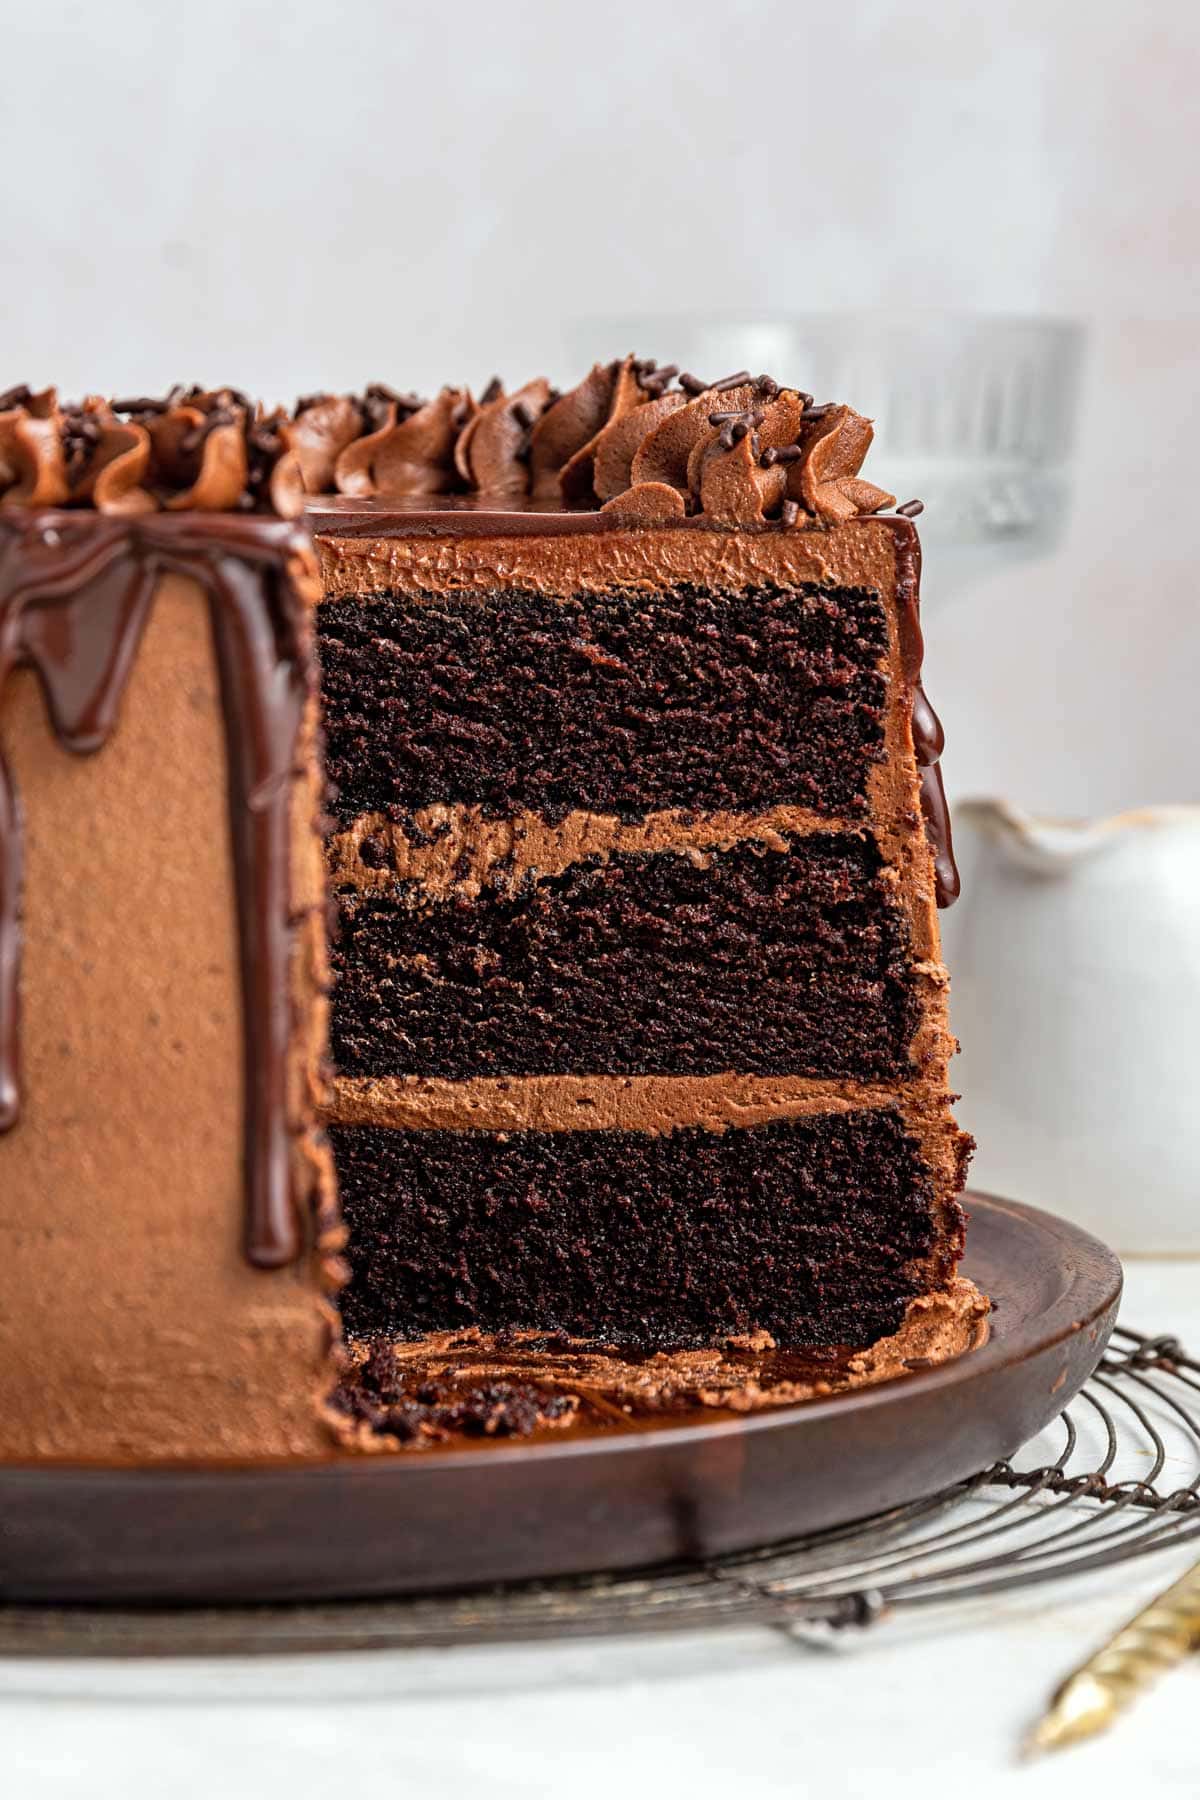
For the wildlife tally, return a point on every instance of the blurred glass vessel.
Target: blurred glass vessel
(974, 413)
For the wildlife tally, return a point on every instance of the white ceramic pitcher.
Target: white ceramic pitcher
(1074, 955)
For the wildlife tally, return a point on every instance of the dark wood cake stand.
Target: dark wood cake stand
(387, 1525)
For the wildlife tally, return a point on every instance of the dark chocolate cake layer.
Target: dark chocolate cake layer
(769, 960)
(609, 702)
(807, 1230)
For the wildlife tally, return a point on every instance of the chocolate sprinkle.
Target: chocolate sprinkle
(692, 384)
(790, 512)
(142, 403)
(653, 380)
(751, 415)
(379, 390)
(731, 381)
(80, 435)
(911, 509)
(377, 401)
(192, 440)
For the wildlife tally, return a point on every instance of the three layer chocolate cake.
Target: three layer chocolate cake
(592, 733)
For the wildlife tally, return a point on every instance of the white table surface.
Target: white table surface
(711, 1714)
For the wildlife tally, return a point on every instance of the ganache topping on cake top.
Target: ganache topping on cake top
(648, 443)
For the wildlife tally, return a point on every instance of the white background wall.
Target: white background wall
(292, 197)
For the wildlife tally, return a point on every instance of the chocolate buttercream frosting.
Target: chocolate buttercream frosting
(736, 452)
(493, 449)
(824, 479)
(563, 443)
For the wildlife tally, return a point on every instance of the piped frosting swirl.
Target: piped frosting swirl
(736, 452)
(196, 450)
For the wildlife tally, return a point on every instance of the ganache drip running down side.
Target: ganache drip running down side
(75, 596)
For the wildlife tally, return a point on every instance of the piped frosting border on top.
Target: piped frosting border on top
(647, 443)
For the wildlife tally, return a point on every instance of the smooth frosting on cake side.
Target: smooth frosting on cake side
(134, 1326)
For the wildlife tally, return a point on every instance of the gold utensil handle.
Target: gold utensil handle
(1160, 1636)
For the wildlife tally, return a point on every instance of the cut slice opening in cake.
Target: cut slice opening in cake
(638, 1019)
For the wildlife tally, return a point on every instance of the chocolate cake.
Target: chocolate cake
(468, 947)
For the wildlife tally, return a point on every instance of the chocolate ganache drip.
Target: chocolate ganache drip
(929, 740)
(75, 594)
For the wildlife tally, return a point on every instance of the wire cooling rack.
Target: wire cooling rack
(1117, 1477)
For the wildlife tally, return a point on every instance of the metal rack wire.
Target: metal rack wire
(1118, 1477)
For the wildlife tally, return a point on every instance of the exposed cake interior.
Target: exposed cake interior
(637, 1015)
